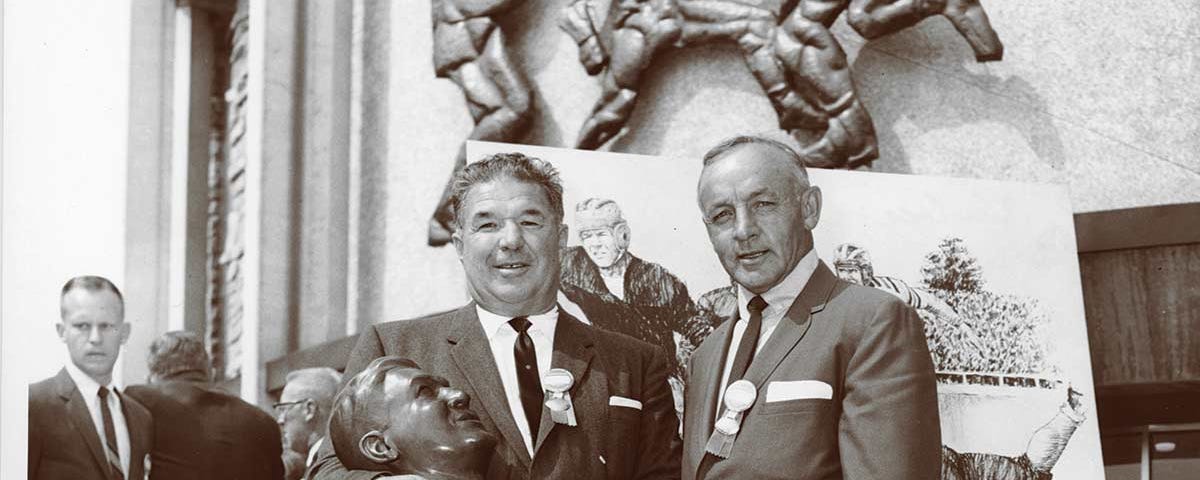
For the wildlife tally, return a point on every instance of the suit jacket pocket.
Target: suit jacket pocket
(801, 405)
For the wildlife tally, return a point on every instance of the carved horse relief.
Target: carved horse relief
(786, 44)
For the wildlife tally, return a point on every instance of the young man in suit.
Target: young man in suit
(201, 432)
(80, 425)
(500, 347)
(840, 381)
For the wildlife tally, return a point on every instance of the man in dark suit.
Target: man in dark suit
(500, 347)
(814, 378)
(80, 425)
(199, 431)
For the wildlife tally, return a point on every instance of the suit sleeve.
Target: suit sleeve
(35, 436)
(327, 466)
(889, 426)
(661, 448)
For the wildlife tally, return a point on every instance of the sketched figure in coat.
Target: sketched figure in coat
(620, 292)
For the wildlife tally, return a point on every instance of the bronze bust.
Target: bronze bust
(394, 417)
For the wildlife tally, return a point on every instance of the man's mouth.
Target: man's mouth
(511, 266)
(751, 255)
(467, 417)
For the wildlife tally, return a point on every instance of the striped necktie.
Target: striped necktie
(110, 437)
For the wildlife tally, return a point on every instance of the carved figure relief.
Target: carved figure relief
(787, 45)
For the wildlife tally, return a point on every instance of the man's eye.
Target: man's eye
(485, 227)
(720, 217)
(530, 223)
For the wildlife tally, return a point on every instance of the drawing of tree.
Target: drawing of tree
(951, 268)
(988, 332)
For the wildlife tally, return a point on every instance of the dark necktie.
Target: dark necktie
(748, 345)
(527, 375)
(110, 437)
(741, 362)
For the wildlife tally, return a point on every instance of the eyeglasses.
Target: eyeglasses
(282, 408)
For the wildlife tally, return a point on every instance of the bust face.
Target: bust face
(429, 425)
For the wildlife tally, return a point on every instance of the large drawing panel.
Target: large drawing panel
(991, 267)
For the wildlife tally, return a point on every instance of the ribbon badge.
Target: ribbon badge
(557, 383)
(739, 396)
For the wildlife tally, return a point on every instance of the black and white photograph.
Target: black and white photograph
(620, 239)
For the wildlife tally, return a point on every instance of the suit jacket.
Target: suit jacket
(882, 419)
(612, 442)
(63, 442)
(202, 433)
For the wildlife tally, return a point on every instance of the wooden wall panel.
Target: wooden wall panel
(1143, 313)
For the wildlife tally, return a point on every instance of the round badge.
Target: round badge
(557, 404)
(558, 380)
(740, 395)
(727, 426)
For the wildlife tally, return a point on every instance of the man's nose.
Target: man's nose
(94, 335)
(744, 224)
(510, 235)
(454, 397)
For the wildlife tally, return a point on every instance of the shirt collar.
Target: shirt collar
(542, 323)
(783, 294)
(87, 385)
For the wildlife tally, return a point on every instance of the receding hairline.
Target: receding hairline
(730, 145)
(67, 293)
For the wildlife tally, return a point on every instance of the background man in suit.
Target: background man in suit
(80, 425)
(497, 349)
(303, 410)
(201, 432)
(843, 384)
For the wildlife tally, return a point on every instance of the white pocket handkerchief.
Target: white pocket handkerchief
(624, 402)
(797, 390)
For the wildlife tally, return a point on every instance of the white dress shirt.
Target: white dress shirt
(503, 338)
(779, 299)
(89, 389)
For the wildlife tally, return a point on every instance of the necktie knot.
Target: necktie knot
(520, 324)
(103, 393)
(756, 305)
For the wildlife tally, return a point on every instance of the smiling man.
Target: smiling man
(498, 348)
(834, 380)
(80, 425)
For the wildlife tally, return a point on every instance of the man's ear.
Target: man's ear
(562, 235)
(61, 328)
(376, 448)
(310, 410)
(456, 239)
(125, 329)
(811, 200)
(624, 234)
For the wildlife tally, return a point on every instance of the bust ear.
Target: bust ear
(376, 448)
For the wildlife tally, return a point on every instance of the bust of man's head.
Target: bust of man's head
(602, 231)
(396, 418)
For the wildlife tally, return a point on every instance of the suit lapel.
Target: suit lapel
(137, 424)
(706, 388)
(81, 417)
(792, 326)
(573, 352)
(473, 356)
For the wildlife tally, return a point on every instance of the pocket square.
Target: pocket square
(798, 390)
(624, 402)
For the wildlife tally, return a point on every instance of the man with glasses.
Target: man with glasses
(80, 425)
(303, 409)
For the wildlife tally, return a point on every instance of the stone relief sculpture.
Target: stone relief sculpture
(469, 49)
(786, 44)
